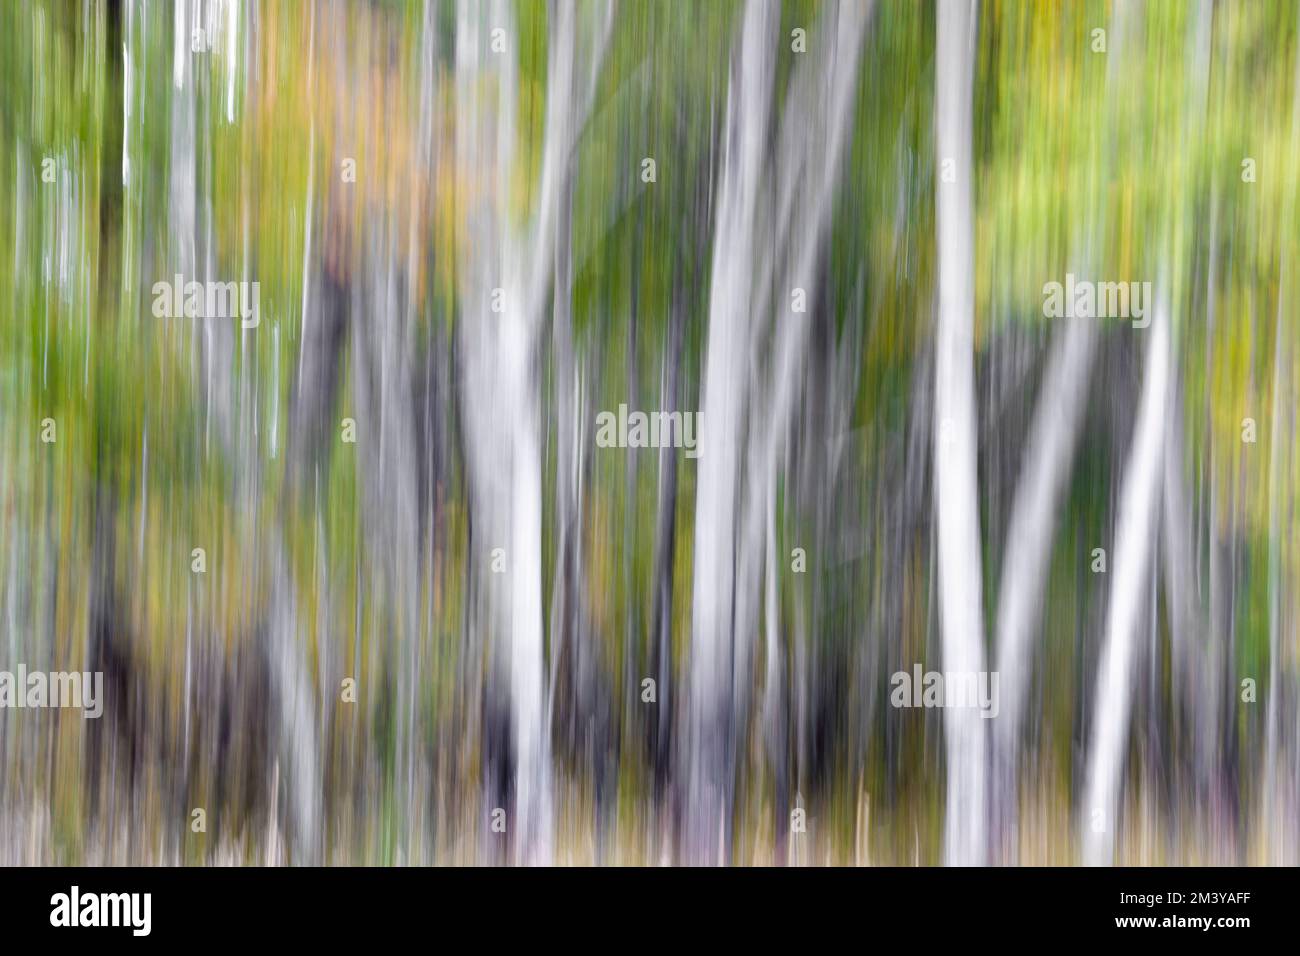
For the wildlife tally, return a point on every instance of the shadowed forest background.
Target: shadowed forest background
(358, 575)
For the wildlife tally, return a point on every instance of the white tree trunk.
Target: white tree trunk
(815, 128)
(1044, 476)
(724, 388)
(956, 502)
(1130, 584)
(500, 413)
(499, 355)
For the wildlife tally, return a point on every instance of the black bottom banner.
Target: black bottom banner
(351, 905)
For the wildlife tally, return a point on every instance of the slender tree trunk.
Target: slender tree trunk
(956, 502)
(1135, 530)
(1053, 437)
(709, 753)
(503, 269)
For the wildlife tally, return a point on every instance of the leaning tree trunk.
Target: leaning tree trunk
(810, 154)
(1053, 437)
(1134, 533)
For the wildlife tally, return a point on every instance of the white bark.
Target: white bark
(727, 577)
(815, 129)
(1134, 534)
(500, 411)
(724, 390)
(299, 743)
(498, 353)
(1049, 454)
(957, 506)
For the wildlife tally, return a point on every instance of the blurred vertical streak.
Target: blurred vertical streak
(1279, 477)
(512, 270)
(956, 504)
(1130, 573)
(808, 162)
(709, 759)
(1049, 455)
